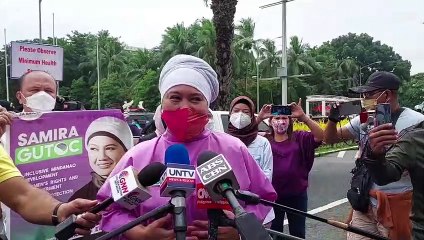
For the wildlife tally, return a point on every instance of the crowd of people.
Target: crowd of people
(275, 166)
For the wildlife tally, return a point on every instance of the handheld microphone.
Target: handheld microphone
(218, 178)
(215, 211)
(135, 193)
(178, 182)
(214, 170)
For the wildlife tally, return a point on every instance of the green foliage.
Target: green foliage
(146, 90)
(126, 75)
(412, 92)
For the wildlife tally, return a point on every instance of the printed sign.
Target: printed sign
(27, 57)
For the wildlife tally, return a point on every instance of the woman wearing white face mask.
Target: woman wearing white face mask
(244, 127)
(293, 154)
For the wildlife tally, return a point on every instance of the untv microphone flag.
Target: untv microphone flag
(177, 177)
(204, 201)
(126, 190)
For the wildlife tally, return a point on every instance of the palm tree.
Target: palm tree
(205, 36)
(111, 55)
(244, 51)
(298, 59)
(223, 20)
(175, 41)
(269, 58)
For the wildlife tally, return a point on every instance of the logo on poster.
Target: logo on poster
(46, 145)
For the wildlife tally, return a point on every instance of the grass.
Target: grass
(300, 126)
(335, 147)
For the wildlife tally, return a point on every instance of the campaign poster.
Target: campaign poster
(26, 57)
(69, 154)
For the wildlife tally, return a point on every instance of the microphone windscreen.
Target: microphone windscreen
(151, 174)
(205, 156)
(177, 154)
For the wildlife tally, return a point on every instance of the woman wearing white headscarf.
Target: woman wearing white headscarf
(187, 86)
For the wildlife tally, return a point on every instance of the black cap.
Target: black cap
(378, 80)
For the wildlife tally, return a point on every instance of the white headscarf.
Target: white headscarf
(113, 126)
(160, 129)
(192, 71)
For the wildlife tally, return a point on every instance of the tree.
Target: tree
(112, 90)
(299, 61)
(412, 92)
(269, 58)
(223, 20)
(147, 91)
(176, 41)
(205, 38)
(80, 91)
(364, 50)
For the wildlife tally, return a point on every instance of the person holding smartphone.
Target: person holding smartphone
(381, 87)
(293, 154)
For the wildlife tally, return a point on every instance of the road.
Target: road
(328, 183)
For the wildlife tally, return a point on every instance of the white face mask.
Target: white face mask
(240, 120)
(40, 102)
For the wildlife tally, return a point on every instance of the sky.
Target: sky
(141, 23)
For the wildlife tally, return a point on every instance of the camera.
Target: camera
(65, 105)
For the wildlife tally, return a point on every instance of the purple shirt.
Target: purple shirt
(293, 160)
(247, 171)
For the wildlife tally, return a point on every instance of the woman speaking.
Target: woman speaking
(187, 86)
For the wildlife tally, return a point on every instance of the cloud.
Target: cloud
(142, 23)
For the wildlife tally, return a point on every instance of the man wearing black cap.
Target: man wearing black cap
(381, 87)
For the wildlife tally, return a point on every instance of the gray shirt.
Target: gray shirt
(407, 119)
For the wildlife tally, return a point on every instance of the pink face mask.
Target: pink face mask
(184, 123)
(280, 126)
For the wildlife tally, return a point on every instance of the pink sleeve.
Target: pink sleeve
(115, 216)
(259, 184)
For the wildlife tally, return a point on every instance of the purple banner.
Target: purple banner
(69, 154)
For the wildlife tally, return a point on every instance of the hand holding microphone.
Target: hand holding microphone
(178, 182)
(128, 190)
(218, 178)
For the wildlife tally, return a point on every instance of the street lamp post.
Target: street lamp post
(39, 19)
(257, 87)
(360, 71)
(283, 71)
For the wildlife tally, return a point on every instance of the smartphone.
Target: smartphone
(383, 114)
(281, 110)
(350, 108)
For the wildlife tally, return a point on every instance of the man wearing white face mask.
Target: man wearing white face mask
(37, 92)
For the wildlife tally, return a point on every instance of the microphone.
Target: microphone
(214, 171)
(215, 211)
(254, 199)
(217, 176)
(178, 182)
(128, 190)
